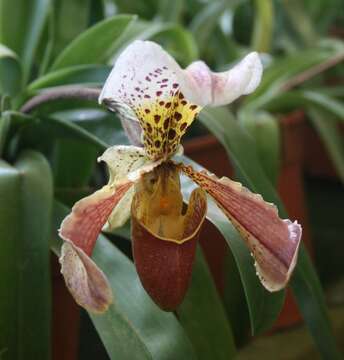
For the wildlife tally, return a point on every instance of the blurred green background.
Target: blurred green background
(284, 141)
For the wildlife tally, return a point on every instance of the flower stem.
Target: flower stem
(63, 92)
(263, 25)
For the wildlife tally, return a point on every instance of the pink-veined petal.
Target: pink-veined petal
(145, 72)
(80, 230)
(86, 282)
(83, 225)
(272, 241)
(210, 88)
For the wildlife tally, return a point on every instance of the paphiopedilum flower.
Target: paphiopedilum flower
(148, 87)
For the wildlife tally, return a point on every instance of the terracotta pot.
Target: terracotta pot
(65, 318)
(290, 185)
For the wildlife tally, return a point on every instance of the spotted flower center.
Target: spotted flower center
(164, 121)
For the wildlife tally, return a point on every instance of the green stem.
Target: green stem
(263, 25)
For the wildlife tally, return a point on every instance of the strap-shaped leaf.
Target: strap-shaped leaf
(10, 71)
(279, 73)
(22, 23)
(203, 316)
(79, 74)
(298, 98)
(182, 43)
(25, 214)
(329, 132)
(265, 132)
(65, 13)
(96, 44)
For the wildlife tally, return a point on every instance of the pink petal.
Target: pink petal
(89, 215)
(145, 72)
(84, 279)
(273, 242)
(215, 89)
(80, 230)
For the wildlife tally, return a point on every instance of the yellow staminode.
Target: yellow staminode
(164, 122)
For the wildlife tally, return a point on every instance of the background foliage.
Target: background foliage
(48, 159)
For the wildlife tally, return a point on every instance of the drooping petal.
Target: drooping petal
(83, 225)
(209, 88)
(272, 241)
(89, 215)
(84, 279)
(164, 237)
(121, 212)
(124, 162)
(80, 229)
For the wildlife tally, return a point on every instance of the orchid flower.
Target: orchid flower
(148, 87)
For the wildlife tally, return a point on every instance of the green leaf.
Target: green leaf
(90, 75)
(310, 298)
(203, 316)
(264, 129)
(4, 129)
(329, 132)
(263, 25)
(73, 162)
(326, 102)
(171, 10)
(298, 98)
(305, 283)
(236, 141)
(102, 124)
(41, 133)
(21, 25)
(10, 72)
(66, 27)
(46, 44)
(95, 45)
(300, 20)
(25, 214)
(179, 41)
(133, 327)
(282, 70)
(206, 20)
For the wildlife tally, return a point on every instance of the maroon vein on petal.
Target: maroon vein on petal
(83, 225)
(80, 229)
(273, 242)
